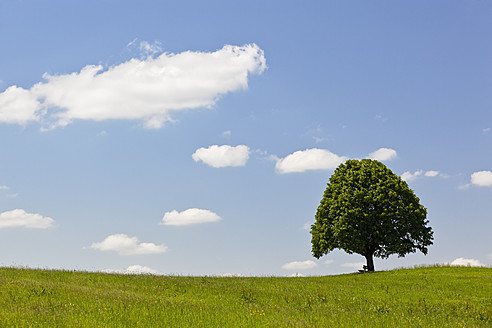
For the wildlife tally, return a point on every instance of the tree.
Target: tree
(368, 210)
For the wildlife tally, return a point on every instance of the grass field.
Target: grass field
(421, 297)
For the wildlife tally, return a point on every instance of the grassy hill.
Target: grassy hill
(421, 297)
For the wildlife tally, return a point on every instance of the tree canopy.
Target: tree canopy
(368, 210)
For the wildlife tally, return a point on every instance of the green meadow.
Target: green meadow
(437, 296)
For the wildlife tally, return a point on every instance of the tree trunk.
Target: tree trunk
(370, 262)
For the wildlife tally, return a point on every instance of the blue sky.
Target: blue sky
(197, 137)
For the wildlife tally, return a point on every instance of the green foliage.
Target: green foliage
(422, 297)
(369, 210)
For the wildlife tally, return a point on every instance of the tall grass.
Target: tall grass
(421, 297)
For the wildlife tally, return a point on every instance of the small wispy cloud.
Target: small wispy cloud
(299, 265)
(486, 130)
(189, 217)
(409, 176)
(465, 186)
(150, 49)
(327, 262)
(380, 118)
(316, 133)
(4, 188)
(125, 245)
(144, 48)
(307, 225)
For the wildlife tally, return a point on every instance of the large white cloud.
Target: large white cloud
(20, 218)
(466, 262)
(18, 106)
(383, 154)
(309, 159)
(222, 156)
(124, 245)
(482, 178)
(145, 89)
(299, 265)
(189, 216)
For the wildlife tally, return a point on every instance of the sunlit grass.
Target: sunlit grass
(420, 297)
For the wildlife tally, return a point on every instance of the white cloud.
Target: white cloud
(150, 49)
(408, 176)
(486, 130)
(309, 159)
(4, 188)
(222, 156)
(318, 139)
(383, 154)
(144, 48)
(466, 262)
(20, 218)
(139, 269)
(299, 265)
(149, 89)
(327, 262)
(124, 245)
(226, 134)
(133, 269)
(19, 106)
(381, 118)
(353, 265)
(189, 216)
(482, 178)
